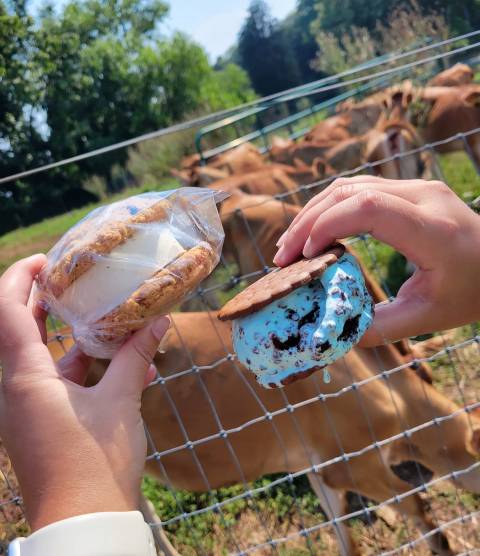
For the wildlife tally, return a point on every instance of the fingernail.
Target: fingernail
(308, 250)
(281, 239)
(279, 256)
(152, 369)
(160, 326)
(150, 376)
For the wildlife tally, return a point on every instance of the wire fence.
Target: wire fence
(401, 440)
(318, 87)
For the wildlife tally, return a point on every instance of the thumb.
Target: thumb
(401, 318)
(127, 370)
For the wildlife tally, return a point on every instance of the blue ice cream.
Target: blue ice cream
(307, 329)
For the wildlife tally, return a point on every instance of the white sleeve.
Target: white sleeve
(98, 534)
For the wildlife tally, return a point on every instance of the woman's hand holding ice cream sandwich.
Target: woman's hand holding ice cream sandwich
(75, 450)
(426, 222)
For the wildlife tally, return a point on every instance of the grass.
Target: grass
(460, 174)
(193, 535)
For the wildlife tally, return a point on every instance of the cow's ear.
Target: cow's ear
(472, 98)
(183, 176)
(319, 166)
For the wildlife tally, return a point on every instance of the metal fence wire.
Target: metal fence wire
(381, 459)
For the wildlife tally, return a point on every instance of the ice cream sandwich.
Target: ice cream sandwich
(128, 262)
(300, 318)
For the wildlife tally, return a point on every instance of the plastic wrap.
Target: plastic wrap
(127, 262)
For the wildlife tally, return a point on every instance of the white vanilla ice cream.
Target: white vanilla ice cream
(114, 277)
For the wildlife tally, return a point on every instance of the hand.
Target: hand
(75, 450)
(426, 222)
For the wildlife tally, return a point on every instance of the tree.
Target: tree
(90, 75)
(337, 55)
(115, 78)
(300, 39)
(461, 16)
(61, 89)
(264, 52)
(340, 16)
(227, 87)
(98, 77)
(400, 32)
(20, 139)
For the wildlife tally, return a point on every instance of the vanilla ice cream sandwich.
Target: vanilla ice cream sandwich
(128, 262)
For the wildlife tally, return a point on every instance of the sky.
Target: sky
(212, 23)
(215, 23)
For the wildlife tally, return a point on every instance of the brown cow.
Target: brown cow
(282, 153)
(375, 411)
(303, 174)
(455, 110)
(459, 74)
(190, 161)
(387, 139)
(392, 103)
(277, 180)
(335, 128)
(304, 151)
(280, 143)
(431, 94)
(253, 224)
(347, 155)
(244, 158)
(396, 137)
(268, 181)
(240, 160)
(363, 115)
(198, 176)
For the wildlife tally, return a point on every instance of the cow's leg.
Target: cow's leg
(164, 546)
(381, 484)
(373, 478)
(415, 508)
(334, 505)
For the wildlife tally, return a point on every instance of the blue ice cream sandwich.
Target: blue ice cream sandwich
(301, 318)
